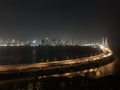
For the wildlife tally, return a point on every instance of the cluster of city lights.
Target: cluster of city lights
(45, 41)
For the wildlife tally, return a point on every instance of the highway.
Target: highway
(56, 64)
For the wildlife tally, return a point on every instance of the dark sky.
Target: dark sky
(78, 19)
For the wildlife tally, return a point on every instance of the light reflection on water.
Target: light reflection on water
(67, 81)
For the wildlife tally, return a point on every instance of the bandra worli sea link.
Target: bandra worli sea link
(45, 61)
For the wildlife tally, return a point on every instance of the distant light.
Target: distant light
(63, 42)
(46, 38)
(34, 41)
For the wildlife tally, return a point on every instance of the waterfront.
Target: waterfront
(55, 83)
(28, 54)
(110, 82)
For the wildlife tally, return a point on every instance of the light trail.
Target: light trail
(56, 64)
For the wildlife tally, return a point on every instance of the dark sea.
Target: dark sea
(28, 55)
(110, 82)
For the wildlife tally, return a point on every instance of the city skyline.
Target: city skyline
(50, 42)
(81, 20)
(59, 44)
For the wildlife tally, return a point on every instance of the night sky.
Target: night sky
(88, 20)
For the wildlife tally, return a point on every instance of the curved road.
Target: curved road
(55, 64)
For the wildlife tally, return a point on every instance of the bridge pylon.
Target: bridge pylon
(105, 42)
